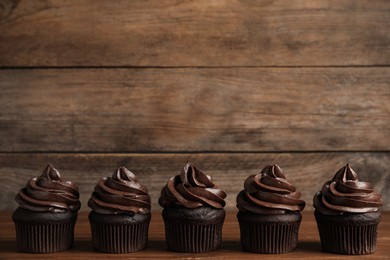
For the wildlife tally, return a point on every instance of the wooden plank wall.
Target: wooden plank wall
(91, 85)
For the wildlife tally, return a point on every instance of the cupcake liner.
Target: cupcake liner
(196, 230)
(349, 234)
(43, 232)
(119, 238)
(349, 240)
(191, 238)
(41, 238)
(269, 238)
(269, 234)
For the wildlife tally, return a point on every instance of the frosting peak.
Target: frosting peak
(269, 193)
(51, 173)
(192, 176)
(49, 192)
(123, 174)
(346, 194)
(120, 194)
(273, 171)
(192, 189)
(345, 174)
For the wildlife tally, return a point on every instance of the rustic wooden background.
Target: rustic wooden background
(232, 85)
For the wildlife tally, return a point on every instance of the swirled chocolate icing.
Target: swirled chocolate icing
(346, 194)
(269, 193)
(49, 192)
(192, 189)
(120, 194)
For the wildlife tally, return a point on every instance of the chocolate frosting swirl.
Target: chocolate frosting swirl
(269, 193)
(346, 194)
(120, 194)
(192, 189)
(49, 192)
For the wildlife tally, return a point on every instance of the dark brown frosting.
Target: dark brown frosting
(120, 194)
(269, 193)
(49, 192)
(346, 194)
(192, 189)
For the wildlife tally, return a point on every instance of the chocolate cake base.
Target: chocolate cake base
(349, 234)
(43, 232)
(269, 234)
(196, 230)
(121, 233)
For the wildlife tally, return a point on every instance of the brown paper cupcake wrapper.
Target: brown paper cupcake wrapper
(269, 239)
(119, 238)
(44, 238)
(349, 240)
(190, 238)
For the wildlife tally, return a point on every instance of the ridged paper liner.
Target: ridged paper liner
(48, 238)
(269, 239)
(119, 238)
(190, 238)
(349, 240)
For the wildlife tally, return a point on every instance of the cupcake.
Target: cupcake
(120, 213)
(269, 212)
(193, 212)
(346, 211)
(47, 213)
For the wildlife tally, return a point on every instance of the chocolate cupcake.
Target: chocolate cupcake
(120, 213)
(193, 212)
(346, 211)
(47, 213)
(269, 212)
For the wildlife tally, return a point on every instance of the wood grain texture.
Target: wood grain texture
(307, 171)
(308, 245)
(194, 33)
(232, 109)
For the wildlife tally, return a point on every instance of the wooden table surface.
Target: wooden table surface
(308, 246)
